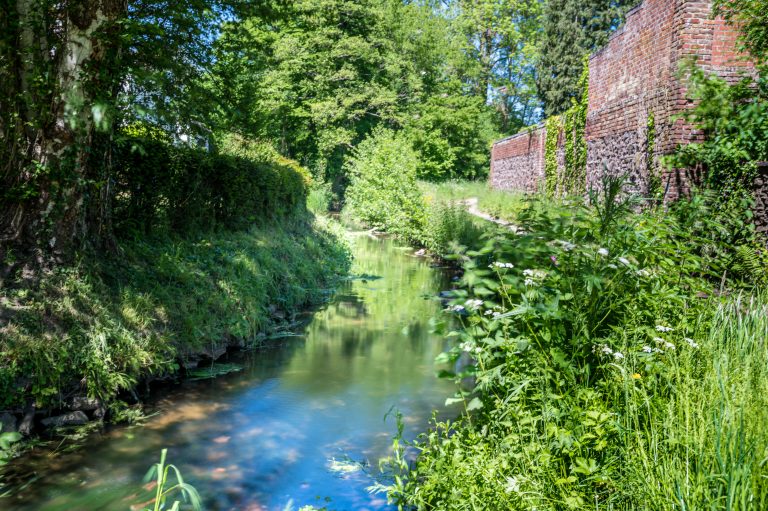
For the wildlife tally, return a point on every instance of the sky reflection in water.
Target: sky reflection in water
(280, 430)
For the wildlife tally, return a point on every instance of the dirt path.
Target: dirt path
(473, 209)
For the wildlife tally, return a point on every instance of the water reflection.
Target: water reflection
(295, 426)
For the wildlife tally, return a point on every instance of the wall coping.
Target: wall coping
(528, 130)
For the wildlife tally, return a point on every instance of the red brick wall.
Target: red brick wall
(634, 75)
(517, 162)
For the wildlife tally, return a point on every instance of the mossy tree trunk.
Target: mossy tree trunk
(59, 76)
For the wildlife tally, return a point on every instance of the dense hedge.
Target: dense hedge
(159, 185)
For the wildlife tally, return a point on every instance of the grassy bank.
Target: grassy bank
(501, 204)
(101, 325)
(608, 369)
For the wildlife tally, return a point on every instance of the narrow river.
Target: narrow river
(302, 424)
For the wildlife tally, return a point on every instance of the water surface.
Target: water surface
(302, 424)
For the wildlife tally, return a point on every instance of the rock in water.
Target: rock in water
(76, 418)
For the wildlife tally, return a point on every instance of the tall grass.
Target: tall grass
(104, 324)
(501, 204)
(605, 371)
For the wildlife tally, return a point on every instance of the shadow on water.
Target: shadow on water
(277, 432)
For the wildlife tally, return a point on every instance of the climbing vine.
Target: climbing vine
(552, 126)
(654, 178)
(573, 124)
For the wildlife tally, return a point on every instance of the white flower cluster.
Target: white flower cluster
(455, 308)
(602, 252)
(473, 304)
(624, 261)
(567, 246)
(500, 265)
(534, 277)
(660, 328)
(470, 347)
(664, 343)
(693, 344)
(606, 350)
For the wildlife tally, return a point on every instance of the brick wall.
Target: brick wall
(635, 75)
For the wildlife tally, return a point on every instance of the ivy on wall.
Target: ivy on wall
(552, 125)
(654, 177)
(573, 125)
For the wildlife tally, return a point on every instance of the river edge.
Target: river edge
(320, 246)
(392, 310)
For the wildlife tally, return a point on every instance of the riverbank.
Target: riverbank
(77, 344)
(301, 425)
(617, 360)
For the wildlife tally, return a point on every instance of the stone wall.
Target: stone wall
(517, 162)
(634, 76)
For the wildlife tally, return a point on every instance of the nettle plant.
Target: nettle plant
(585, 295)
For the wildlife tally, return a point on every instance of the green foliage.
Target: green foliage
(452, 135)
(112, 320)
(551, 166)
(160, 185)
(450, 229)
(571, 30)
(654, 174)
(383, 193)
(734, 119)
(751, 18)
(164, 490)
(501, 204)
(600, 377)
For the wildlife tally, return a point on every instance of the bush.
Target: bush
(452, 135)
(603, 376)
(184, 189)
(450, 230)
(383, 193)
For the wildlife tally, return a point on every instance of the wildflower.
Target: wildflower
(624, 261)
(529, 282)
(501, 265)
(660, 328)
(478, 350)
(553, 259)
(455, 308)
(467, 346)
(603, 252)
(693, 344)
(663, 342)
(647, 349)
(473, 304)
(612, 266)
(496, 315)
(603, 348)
(618, 356)
(513, 485)
(643, 273)
(489, 312)
(636, 376)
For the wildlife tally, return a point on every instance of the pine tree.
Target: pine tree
(572, 29)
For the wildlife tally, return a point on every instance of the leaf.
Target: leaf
(474, 404)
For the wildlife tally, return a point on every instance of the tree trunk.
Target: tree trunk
(63, 61)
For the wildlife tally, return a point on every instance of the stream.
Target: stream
(303, 423)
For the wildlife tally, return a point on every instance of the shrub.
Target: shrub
(161, 185)
(450, 230)
(383, 192)
(585, 341)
